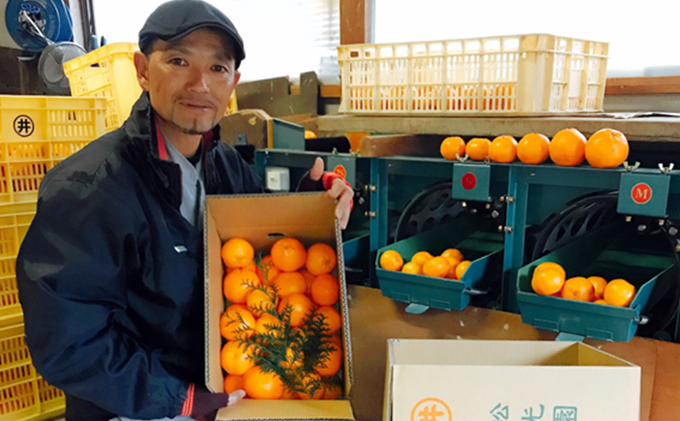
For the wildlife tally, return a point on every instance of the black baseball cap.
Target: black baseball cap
(176, 19)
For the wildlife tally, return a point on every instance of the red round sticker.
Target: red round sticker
(469, 181)
(341, 171)
(641, 193)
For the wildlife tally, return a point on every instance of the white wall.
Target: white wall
(5, 38)
(77, 23)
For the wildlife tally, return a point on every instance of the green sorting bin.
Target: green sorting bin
(475, 236)
(614, 251)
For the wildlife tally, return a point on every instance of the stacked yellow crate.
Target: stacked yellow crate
(14, 222)
(36, 133)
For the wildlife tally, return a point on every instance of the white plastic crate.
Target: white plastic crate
(520, 74)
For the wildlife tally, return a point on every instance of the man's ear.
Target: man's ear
(237, 77)
(142, 67)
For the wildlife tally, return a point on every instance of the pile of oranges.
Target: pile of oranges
(606, 148)
(450, 264)
(549, 278)
(281, 324)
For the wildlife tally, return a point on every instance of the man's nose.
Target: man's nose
(198, 80)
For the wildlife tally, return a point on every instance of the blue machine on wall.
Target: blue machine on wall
(45, 27)
(52, 17)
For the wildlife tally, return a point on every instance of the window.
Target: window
(641, 37)
(281, 37)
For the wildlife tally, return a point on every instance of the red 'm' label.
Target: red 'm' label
(641, 193)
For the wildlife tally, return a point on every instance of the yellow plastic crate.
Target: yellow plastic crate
(33, 400)
(14, 222)
(28, 118)
(13, 227)
(520, 74)
(109, 72)
(52, 400)
(15, 360)
(10, 308)
(20, 402)
(18, 380)
(24, 394)
(38, 132)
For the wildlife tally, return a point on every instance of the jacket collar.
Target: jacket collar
(142, 127)
(162, 176)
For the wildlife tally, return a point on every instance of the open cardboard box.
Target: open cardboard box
(447, 380)
(263, 219)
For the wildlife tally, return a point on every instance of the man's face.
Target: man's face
(190, 81)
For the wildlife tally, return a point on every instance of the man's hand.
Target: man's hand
(236, 396)
(202, 405)
(339, 190)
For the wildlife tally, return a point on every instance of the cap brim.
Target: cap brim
(239, 53)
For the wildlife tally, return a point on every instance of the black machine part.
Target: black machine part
(581, 216)
(434, 206)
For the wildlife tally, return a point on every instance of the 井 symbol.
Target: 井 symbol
(23, 126)
(430, 413)
(431, 409)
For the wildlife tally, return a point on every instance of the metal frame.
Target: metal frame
(392, 181)
(580, 180)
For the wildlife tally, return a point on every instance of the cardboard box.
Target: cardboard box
(263, 219)
(445, 380)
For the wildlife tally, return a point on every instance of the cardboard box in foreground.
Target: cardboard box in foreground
(263, 219)
(452, 380)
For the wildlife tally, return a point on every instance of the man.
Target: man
(110, 271)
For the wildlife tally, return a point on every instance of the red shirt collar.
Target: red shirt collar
(163, 152)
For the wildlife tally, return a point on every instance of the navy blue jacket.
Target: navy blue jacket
(111, 275)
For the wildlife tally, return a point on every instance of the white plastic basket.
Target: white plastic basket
(517, 74)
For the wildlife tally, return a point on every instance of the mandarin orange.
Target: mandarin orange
(568, 148)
